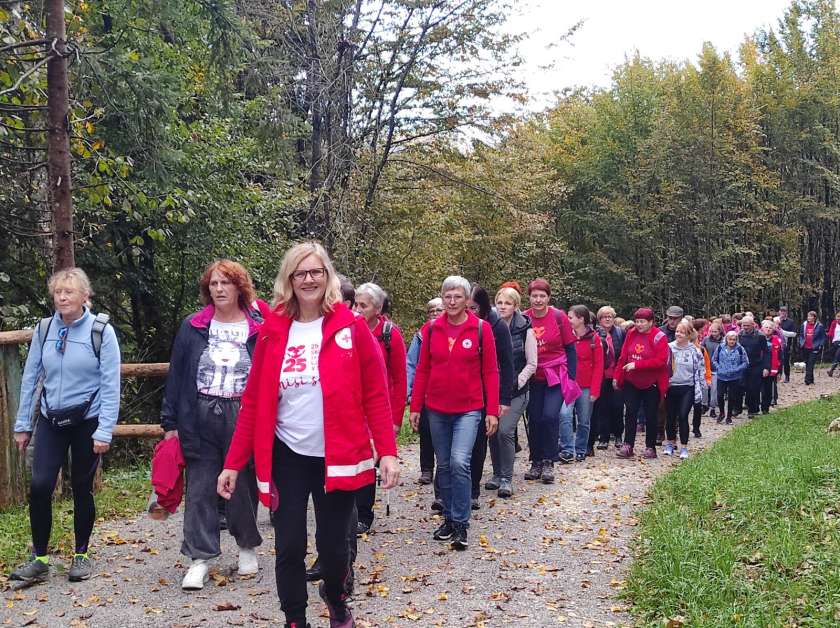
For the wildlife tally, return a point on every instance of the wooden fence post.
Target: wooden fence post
(12, 464)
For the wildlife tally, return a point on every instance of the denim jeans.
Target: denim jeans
(544, 420)
(576, 442)
(453, 436)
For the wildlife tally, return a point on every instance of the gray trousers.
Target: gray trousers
(217, 420)
(502, 445)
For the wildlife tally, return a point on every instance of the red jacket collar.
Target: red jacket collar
(443, 322)
(278, 323)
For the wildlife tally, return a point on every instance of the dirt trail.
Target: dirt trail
(551, 555)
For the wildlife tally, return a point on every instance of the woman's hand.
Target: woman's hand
(629, 366)
(615, 385)
(389, 471)
(226, 483)
(170, 434)
(492, 424)
(414, 419)
(503, 410)
(99, 447)
(22, 440)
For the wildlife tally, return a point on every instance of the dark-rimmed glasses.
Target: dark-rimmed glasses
(316, 274)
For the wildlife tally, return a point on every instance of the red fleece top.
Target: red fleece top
(590, 363)
(775, 345)
(395, 368)
(356, 405)
(650, 353)
(450, 372)
(553, 332)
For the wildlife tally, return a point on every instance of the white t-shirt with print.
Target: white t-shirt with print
(224, 364)
(300, 413)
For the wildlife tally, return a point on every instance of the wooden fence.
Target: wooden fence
(12, 464)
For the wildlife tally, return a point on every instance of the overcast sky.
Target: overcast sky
(614, 29)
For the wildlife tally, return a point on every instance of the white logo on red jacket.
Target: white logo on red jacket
(467, 343)
(344, 338)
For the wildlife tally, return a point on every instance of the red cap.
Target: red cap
(540, 284)
(645, 313)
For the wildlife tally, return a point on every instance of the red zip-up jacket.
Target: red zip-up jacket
(590, 363)
(395, 368)
(450, 381)
(650, 352)
(356, 406)
(775, 355)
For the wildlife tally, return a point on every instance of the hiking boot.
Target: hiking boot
(426, 477)
(650, 453)
(492, 484)
(713, 413)
(535, 472)
(547, 475)
(582, 457)
(683, 453)
(565, 457)
(361, 528)
(729, 420)
(248, 562)
(625, 452)
(590, 452)
(444, 531)
(196, 576)
(80, 569)
(719, 420)
(505, 488)
(668, 449)
(474, 505)
(831, 370)
(340, 616)
(437, 505)
(314, 573)
(604, 444)
(459, 537)
(32, 571)
(697, 434)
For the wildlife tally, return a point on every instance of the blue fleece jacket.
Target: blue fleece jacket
(730, 363)
(70, 378)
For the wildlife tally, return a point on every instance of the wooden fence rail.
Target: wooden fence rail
(12, 464)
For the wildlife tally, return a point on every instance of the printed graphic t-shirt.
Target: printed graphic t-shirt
(300, 413)
(224, 364)
(553, 332)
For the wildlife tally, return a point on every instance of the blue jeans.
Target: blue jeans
(544, 420)
(572, 442)
(453, 437)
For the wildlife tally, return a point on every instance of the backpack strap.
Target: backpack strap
(43, 330)
(96, 330)
(387, 328)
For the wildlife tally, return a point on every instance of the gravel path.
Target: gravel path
(551, 555)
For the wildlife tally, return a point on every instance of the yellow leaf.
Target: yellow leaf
(443, 596)
(89, 127)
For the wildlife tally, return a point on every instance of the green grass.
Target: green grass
(124, 493)
(747, 533)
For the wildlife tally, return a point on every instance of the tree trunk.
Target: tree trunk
(58, 155)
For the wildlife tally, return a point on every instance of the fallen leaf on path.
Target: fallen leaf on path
(226, 606)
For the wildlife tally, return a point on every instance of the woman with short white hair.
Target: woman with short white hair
(457, 380)
(79, 356)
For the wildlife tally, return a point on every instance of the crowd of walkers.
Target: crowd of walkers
(304, 398)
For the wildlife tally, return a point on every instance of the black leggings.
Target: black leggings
(51, 445)
(678, 401)
(296, 477)
(634, 399)
(731, 391)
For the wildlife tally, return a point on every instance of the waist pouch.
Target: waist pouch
(70, 416)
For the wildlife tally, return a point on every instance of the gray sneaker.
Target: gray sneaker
(505, 488)
(32, 571)
(80, 569)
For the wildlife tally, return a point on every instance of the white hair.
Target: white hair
(376, 294)
(453, 282)
(747, 319)
(436, 302)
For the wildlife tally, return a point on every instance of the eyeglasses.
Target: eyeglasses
(452, 298)
(61, 343)
(315, 273)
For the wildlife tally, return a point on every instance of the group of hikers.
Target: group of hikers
(305, 397)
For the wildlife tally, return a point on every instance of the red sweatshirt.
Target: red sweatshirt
(356, 407)
(395, 368)
(590, 363)
(775, 346)
(450, 373)
(650, 353)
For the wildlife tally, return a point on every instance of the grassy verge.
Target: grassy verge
(124, 493)
(747, 533)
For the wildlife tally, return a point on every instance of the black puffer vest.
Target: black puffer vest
(519, 326)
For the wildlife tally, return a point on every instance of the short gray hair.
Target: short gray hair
(456, 281)
(376, 294)
(436, 302)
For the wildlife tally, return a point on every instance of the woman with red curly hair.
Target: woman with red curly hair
(211, 359)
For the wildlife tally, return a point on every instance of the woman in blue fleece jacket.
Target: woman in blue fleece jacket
(79, 407)
(730, 361)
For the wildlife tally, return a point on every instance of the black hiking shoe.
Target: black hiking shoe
(444, 532)
(80, 569)
(32, 571)
(535, 472)
(459, 537)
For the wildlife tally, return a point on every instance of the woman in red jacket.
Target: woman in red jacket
(642, 373)
(315, 397)
(369, 300)
(590, 373)
(768, 380)
(456, 380)
(834, 339)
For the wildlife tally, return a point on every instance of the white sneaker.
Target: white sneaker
(248, 564)
(196, 576)
(683, 453)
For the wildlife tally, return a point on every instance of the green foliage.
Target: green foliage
(748, 533)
